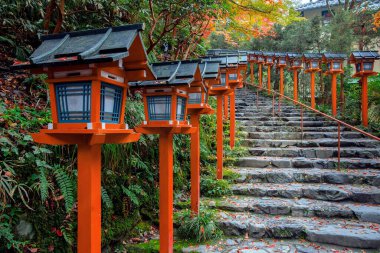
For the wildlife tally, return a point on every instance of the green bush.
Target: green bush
(211, 187)
(201, 227)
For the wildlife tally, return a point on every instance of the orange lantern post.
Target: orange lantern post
(295, 64)
(260, 61)
(219, 88)
(334, 67)
(88, 84)
(280, 59)
(242, 68)
(364, 63)
(312, 65)
(269, 62)
(166, 104)
(252, 60)
(198, 105)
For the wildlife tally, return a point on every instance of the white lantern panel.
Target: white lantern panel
(195, 98)
(368, 66)
(159, 107)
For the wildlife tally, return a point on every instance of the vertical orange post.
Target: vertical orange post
(281, 81)
(219, 137)
(312, 89)
(89, 198)
(252, 74)
(260, 75)
(166, 192)
(232, 120)
(268, 79)
(333, 94)
(225, 104)
(295, 87)
(194, 164)
(365, 101)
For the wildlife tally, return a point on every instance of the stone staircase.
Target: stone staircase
(289, 185)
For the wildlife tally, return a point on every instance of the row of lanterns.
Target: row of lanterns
(89, 73)
(312, 63)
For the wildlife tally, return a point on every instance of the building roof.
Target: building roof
(172, 74)
(365, 55)
(316, 4)
(84, 47)
(209, 69)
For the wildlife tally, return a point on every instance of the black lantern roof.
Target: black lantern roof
(209, 69)
(294, 56)
(225, 61)
(280, 55)
(312, 56)
(220, 52)
(359, 55)
(334, 56)
(173, 73)
(84, 47)
(268, 54)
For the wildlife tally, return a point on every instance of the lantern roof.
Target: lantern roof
(312, 56)
(226, 61)
(333, 56)
(91, 46)
(364, 55)
(172, 74)
(293, 56)
(280, 55)
(268, 54)
(209, 69)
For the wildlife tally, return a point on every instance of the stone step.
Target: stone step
(282, 119)
(287, 123)
(305, 135)
(299, 175)
(298, 207)
(322, 142)
(253, 128)
(347, 233)
(250, 113)
(327, 192)
(317, 152)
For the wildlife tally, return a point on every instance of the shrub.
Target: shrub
(201, 227)
(211, 187)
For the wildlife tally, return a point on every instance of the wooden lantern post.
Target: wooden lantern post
(165, 104)
(312, 65)
(334, 67)
(295, 64)
(242, 68)
(364, 63)
(252, 60)
(269, 62)
(280, 59)
(219, 88)
(260, 61)
(87, 91)
(198, 105)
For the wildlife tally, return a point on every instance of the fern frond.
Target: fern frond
(66, 187)
(131, 195)
(106, 199)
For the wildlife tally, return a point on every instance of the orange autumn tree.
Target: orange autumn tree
(376, 21)
(254, 18)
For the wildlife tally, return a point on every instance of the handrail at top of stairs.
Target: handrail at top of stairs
(317, 111)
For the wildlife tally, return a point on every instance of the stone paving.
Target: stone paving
(240, 245)
(289, 187)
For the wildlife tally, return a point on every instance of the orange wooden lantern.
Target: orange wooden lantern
(312, 65)
(364, 62)
(269, 62)
(221, 89)
(334, 64)
(88, 74)
(242, 68)
(295, 64)
(260, 60)
(280, 60)
(252, 59)
(198, 105)
(166, 107)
